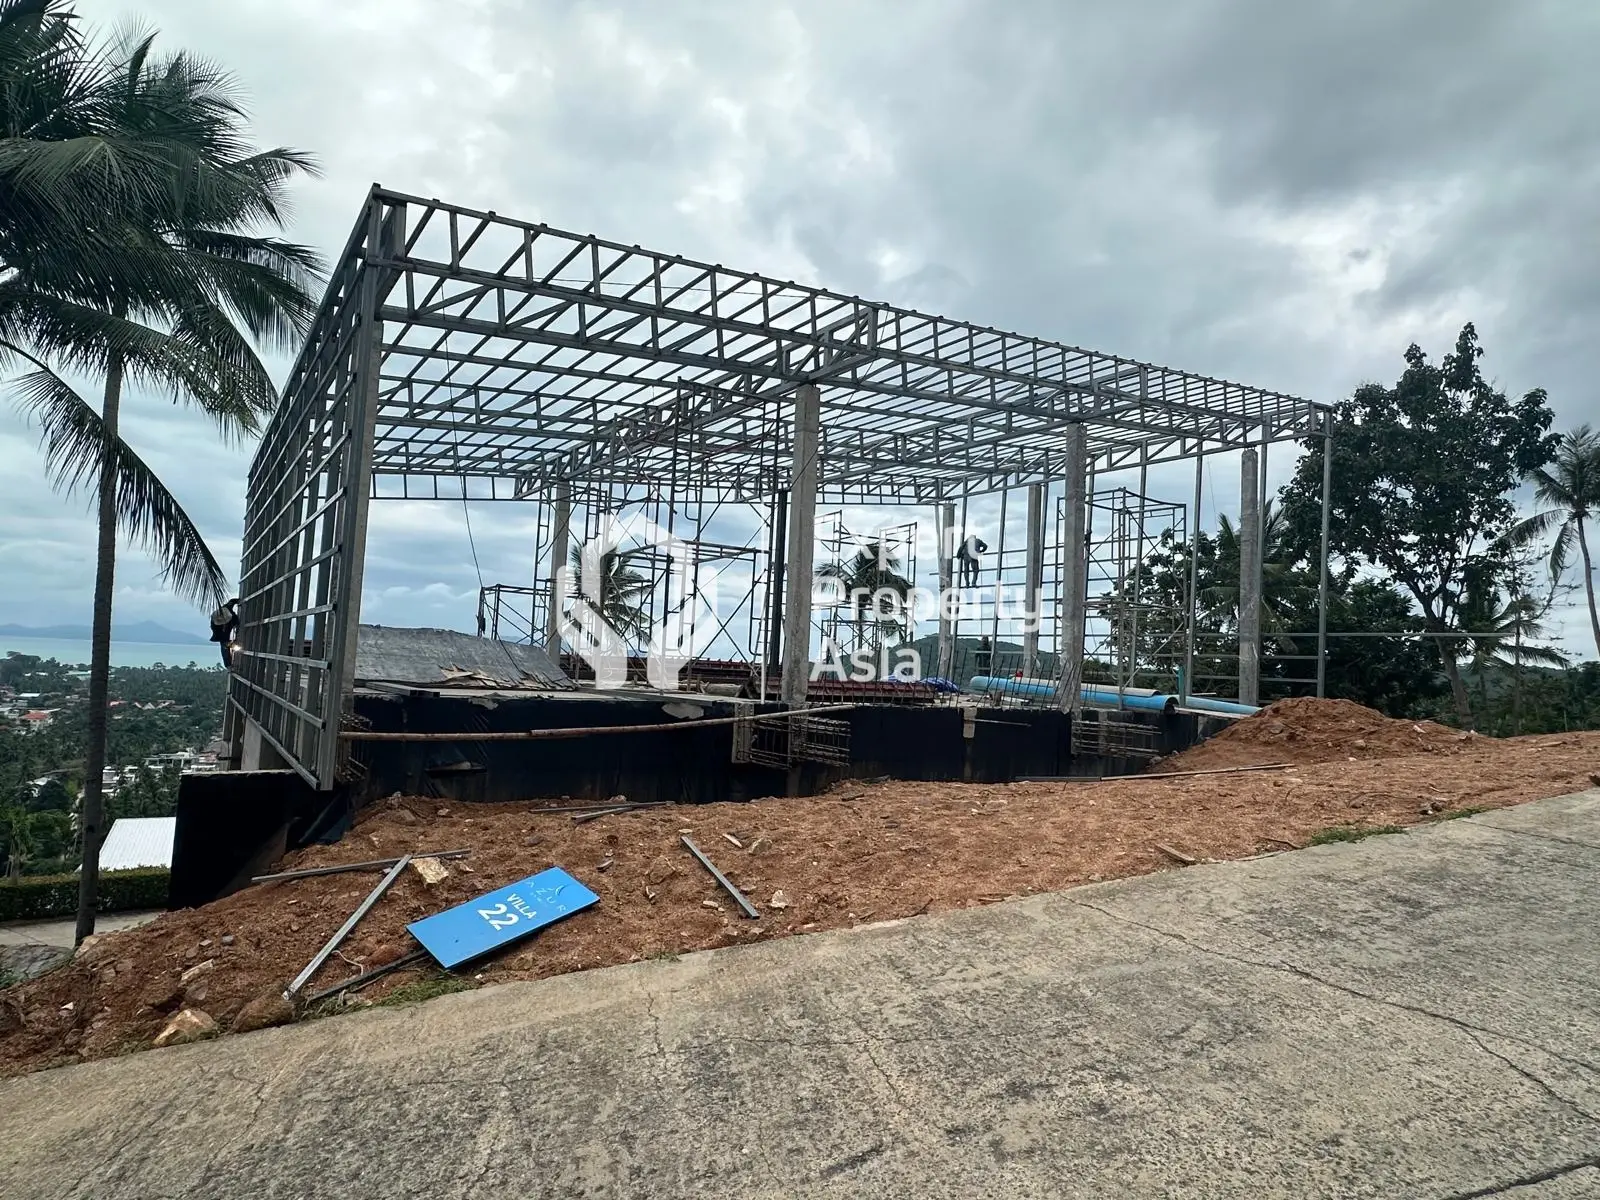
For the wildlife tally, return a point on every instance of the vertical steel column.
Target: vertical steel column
(1322, 581)
(802, 544)
(560, 539)
(779, 532)
(1249, 577)
(357, 482)
(944, 528)
(1138, 569)
(999, 584)
(1033, 583)
(1074, 570)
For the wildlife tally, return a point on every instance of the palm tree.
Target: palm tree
(1280, 579)
(129, 197)
(1569, 490)
(621, 590)
(1506, 629)
(877, 590)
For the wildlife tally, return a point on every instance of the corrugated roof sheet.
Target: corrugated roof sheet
(443, 656)
(138, 842)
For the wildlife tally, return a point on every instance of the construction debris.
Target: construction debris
(266, 1010)
(431, 869)
(495, 919)
(901, 849)
(750, 910)
(332, 944)
(361, 980)
(375, 865)
(190, 1025)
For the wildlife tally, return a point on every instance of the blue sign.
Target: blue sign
(469, 930)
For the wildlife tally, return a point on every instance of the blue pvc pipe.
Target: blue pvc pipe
(1229, 707)
(1011, 687)
(1042, 689)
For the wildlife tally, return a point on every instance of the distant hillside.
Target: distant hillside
(139, 631)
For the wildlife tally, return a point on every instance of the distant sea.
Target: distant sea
(123, 654)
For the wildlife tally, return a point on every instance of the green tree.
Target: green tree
(1423, 475)
(51, 796)
(1397, 675)
(1569, 491)
(130, 197)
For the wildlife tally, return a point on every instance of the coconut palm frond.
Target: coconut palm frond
(77, 449)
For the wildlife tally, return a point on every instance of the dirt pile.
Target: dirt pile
(1307, 730)
(862, 853)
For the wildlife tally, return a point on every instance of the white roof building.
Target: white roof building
(138, 842)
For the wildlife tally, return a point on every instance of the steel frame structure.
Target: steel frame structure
(460, 351)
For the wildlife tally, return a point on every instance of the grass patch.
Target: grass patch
(1349, 833)
(664, 956)
(1462, 812)
(419, 990)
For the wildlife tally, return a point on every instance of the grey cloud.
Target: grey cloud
(1285, 194)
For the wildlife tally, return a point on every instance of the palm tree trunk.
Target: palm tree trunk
(91, 812)
(1516, 681)
(1588, 583)
(1458, 685)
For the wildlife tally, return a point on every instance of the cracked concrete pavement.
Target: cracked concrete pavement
(1411, 1016)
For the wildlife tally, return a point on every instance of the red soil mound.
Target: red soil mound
(1306, 730)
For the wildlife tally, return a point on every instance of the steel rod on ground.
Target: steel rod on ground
(598, 807)
(311, 967)
(367, 977)
(727, 886)
(376, 864)
(1216, 771)
(1151, 775)
(528, 735)
(596, 813)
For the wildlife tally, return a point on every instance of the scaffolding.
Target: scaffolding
(1136, 637)
(462, 355)
(848, 617)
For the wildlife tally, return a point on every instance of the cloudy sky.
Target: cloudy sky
(1282, 194)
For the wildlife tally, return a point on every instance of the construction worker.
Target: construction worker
(224, 628)
(971, 549)
(984, 658)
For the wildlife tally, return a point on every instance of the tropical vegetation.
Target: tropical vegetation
(132, 256)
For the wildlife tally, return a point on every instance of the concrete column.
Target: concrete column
(560, 542)
(802, 544)
(944, 528)
(1033, 576)
(1249, 578)
(1074, 566)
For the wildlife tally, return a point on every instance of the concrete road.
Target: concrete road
(1413, 1016)
(62, 932)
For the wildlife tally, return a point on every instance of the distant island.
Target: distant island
(139, 631)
